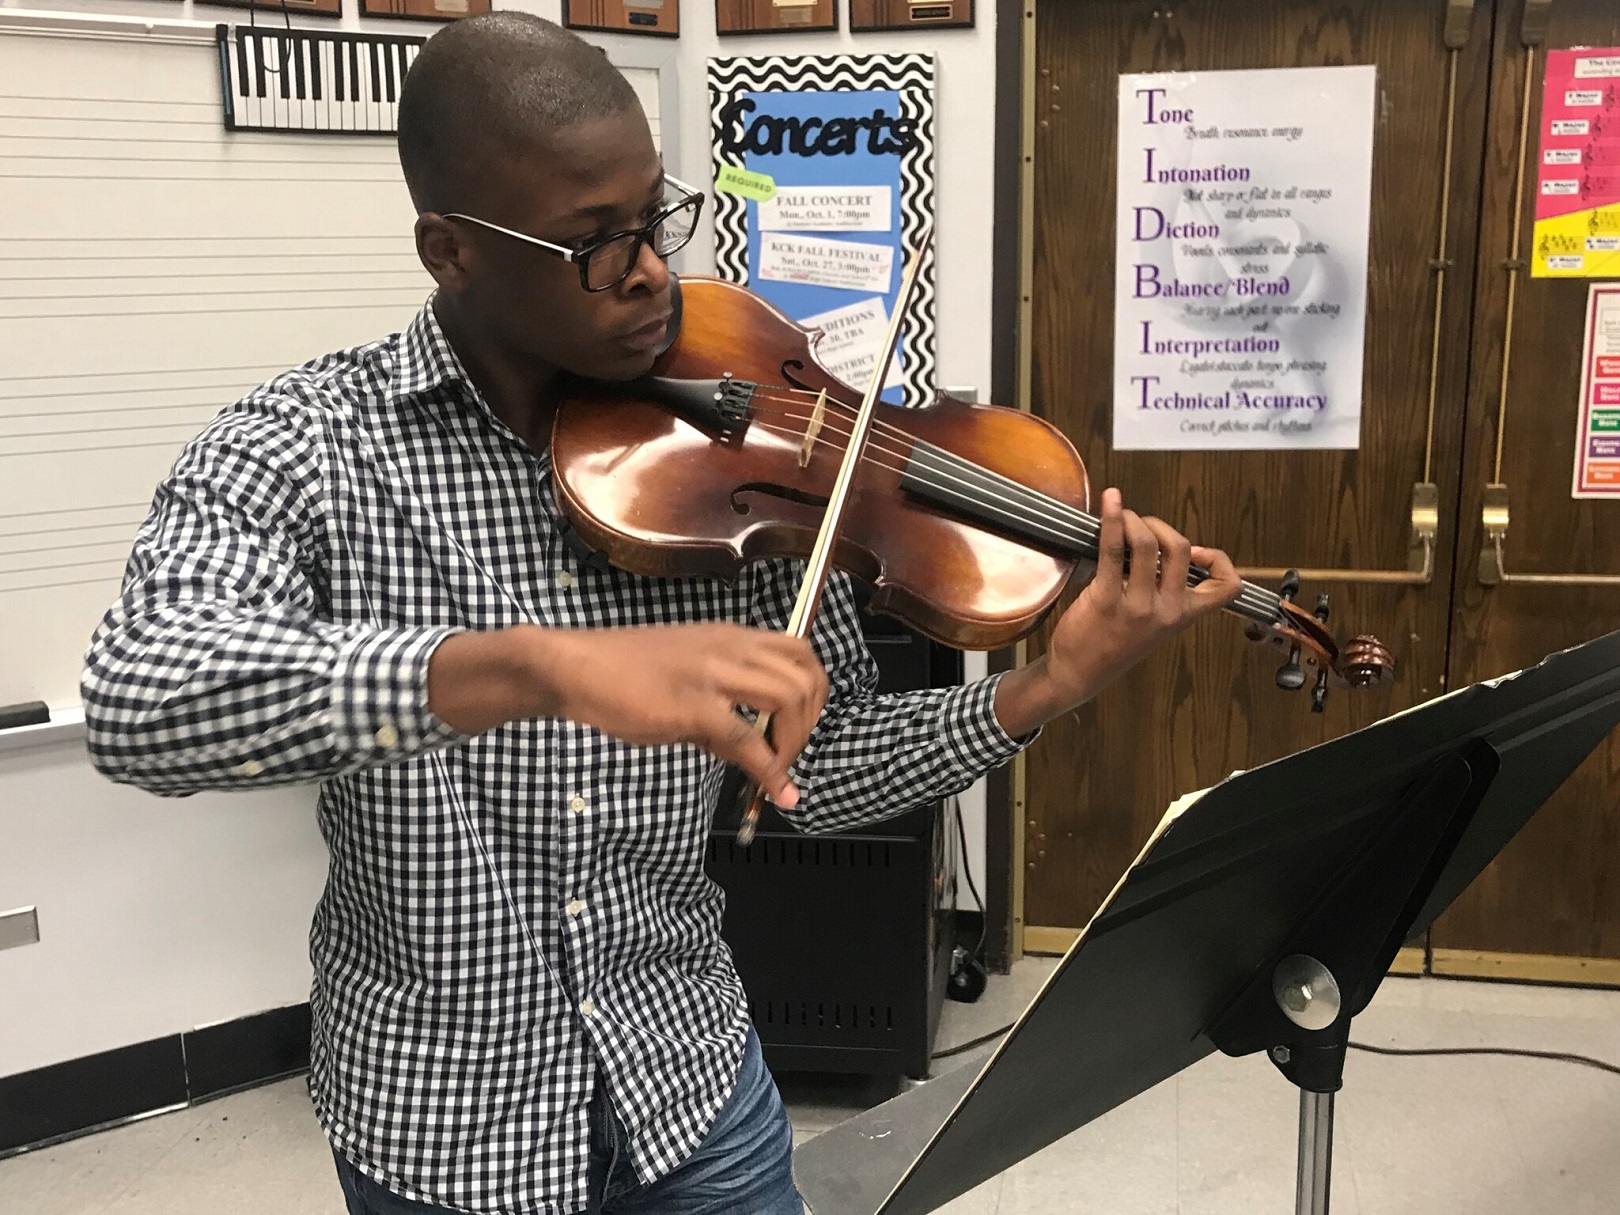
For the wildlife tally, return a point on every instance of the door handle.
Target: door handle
(1493, 566)
(1419, 571)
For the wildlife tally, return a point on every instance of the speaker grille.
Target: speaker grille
(851, 853)
(853, 1017)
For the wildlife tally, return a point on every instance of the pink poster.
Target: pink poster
(1577, 233)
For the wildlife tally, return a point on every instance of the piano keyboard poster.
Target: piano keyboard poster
(333, 82)
(824, 182)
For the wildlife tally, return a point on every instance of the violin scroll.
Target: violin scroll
(1361, 662)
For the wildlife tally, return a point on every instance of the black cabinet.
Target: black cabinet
(843, 941)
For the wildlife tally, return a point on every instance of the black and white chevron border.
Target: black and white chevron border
(910, 75)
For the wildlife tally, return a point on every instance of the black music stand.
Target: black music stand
(1261, 916)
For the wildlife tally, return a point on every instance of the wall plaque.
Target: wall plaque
(774, 16)
(657, 17)
(424, 10)
(908, 14)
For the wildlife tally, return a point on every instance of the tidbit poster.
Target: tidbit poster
(1577, 233)
(1597, 429)
(1241, 258)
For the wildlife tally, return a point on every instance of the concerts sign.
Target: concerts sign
(1241, 269)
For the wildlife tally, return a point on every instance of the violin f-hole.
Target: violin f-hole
(787, 493)
(793, 380)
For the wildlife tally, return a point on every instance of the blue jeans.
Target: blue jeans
(743, 1167)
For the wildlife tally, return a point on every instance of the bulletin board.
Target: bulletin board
(824, 184)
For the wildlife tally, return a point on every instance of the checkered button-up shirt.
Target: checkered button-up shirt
(505, 914)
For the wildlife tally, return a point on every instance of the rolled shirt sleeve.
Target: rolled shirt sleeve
(214, 668)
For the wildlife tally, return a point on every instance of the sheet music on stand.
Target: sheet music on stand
(1259, 918)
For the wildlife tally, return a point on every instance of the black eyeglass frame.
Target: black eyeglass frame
(642, 235)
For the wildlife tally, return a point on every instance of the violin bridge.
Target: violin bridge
(817, 416)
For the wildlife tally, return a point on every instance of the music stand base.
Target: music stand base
(1315, 1153)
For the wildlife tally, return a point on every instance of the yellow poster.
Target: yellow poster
(1577, 233)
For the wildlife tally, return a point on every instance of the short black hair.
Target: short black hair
(487, 87)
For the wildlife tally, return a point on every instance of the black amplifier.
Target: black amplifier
(843, 941)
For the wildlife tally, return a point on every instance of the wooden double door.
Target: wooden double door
(1450, 301)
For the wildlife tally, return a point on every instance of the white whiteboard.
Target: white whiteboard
(154, 268)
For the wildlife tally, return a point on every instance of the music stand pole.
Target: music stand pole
(1315, 1153)
(1313, 1001)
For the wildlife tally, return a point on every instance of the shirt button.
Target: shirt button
(577, 805)
(565, 579)
(387, 735)
(575, 907)
(587, 1006)
(251, 767)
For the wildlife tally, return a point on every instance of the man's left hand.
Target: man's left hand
(1119, 618)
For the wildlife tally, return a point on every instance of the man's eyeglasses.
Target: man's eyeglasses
(607, 262)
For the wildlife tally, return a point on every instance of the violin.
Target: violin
(966, 520)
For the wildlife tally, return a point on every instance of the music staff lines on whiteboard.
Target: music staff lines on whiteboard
(190, 275)
(245, 310)
(138, 509)
(307, 80)
(206, 248)
(209, 404)
(86, 429)
(56, 586)
(128, 529)
(162, 295)
(21, 567)
(255, 373)
(23, 526)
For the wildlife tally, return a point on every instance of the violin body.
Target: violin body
(663, 494)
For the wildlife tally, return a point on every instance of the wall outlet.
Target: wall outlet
(20, 927)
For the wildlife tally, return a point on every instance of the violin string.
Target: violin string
(1069, 525)
(1060, 521)
(1013, 493)
(1064, 521)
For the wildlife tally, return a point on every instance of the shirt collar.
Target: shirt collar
(423, 358)
(425, 362)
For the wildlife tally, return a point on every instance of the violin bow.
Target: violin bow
(820, 561)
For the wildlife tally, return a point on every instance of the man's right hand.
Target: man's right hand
(648, 686)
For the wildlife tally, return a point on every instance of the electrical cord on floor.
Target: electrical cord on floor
(967, 1046)
(1555, 1056)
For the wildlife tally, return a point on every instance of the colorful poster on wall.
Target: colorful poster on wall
(1597, 433)
(1577, 233)
(824, 184)
(1241, 258)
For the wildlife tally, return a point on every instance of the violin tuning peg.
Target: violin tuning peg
(1322, 607)
(1290, 585)
(1255, 631)
(1319, 692)
(1291, 676)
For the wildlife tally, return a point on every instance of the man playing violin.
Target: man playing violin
(357, 576)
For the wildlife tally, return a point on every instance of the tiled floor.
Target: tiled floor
(1486, 1135)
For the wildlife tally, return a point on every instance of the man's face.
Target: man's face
(573, 188)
